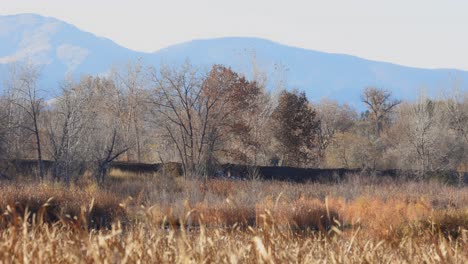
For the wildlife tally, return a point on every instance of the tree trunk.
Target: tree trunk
(40, 163)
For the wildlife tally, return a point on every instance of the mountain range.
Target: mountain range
(62, 49)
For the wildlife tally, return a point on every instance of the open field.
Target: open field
(154, 219)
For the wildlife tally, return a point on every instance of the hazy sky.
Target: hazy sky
(423, 33)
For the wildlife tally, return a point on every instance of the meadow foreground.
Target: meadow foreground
(155, 219)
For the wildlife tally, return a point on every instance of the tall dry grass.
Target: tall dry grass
(156, 219)
(145, 242)
(90, 208)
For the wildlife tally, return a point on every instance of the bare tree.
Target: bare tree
(179, 107)
(5, 124)
(198, 110)
(421, 133)
(131, 84)
(334, 118)
(26, 96)
(66, 126)
(455, 108)
(380, 105)
(425, 140)
(456, 111)
(104, 132)
(258, 146)
(107, 150)
(3, 139)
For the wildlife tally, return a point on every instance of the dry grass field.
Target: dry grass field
(155, 219)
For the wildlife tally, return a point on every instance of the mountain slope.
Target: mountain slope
(320, 74)
(63, 49)
(59, 48)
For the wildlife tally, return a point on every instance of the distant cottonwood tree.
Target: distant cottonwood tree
(106, 130)
(198, 111)
(26, 96)
(233, 100)
(67, 122)
(84, 127)
(334, 119)
(130, 83)
(296, 127)
(380, 105)
(177, 106)
(456, 112)
(425, 142)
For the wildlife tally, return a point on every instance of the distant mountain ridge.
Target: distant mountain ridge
(64, 49)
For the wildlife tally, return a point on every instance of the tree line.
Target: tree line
(204, 118)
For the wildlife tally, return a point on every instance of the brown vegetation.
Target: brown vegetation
(202, 119)
(66, 196)
(152, 218)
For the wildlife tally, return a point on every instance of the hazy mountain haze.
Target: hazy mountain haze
(62, 49)
(418, 33)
